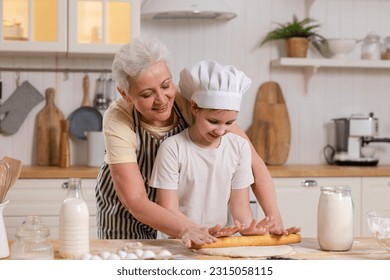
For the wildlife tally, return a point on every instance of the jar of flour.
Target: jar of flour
(335, 218)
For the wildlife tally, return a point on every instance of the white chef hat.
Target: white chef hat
(214, 86)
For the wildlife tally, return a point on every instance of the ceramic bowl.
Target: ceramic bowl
(341, 47)
(379, 225)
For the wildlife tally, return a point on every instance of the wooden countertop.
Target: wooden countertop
(282, 171)
(362, 249)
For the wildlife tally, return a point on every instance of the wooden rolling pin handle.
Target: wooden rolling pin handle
(86, 99)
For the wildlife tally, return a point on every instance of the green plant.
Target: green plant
(296, 28)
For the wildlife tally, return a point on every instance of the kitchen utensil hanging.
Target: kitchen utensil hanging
(86, 118)
(16, 108)
(100, 101)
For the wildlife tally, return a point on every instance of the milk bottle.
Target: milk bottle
(74, 222)
(335, 218)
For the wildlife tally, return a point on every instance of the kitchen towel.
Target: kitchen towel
(16, 108)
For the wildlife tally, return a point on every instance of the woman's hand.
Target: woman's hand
(279, 229)
(197, 236)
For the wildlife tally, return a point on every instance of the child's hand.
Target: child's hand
(219, 231)
(254, 228)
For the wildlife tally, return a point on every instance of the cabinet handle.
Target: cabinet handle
(309, 183)
(65, 185)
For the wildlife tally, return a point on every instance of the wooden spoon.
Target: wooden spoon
(15, 167)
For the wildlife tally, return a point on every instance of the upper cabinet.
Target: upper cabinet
(73, 26)
(33, 26)
(102, 26)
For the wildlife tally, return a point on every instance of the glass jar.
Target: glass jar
(386, 42)
(31, 241)
(335, 218)
(372, 47)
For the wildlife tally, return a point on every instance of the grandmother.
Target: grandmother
(149, 110)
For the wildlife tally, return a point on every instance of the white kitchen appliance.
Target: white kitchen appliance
(352, 138)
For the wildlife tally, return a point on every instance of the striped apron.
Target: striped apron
(114, 221)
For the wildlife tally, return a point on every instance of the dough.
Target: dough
(247, 251)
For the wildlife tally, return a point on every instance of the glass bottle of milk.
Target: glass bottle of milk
(335, 218)
(74, 222)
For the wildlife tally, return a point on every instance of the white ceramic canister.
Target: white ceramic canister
(96, 148)
(74, 222)
(4, 248)
(335, 218)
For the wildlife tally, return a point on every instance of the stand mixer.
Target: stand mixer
(352, 137)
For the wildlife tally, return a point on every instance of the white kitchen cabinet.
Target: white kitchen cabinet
(298, 201)
(102, 26)
(44, 197)
(33, 26)
(72, 26)
(375, 196)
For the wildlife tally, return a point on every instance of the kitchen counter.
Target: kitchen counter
(280, 171)
(362, 249)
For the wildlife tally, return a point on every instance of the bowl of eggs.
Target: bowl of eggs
(379, 225)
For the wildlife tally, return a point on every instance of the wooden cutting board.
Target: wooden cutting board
(48, 131)
(270, 131)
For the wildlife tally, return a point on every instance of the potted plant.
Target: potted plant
(297, 35)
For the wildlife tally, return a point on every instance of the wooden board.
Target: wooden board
(48, 131)
(270, 131)
(252, 240)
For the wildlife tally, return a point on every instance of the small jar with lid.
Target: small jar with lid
(31, 241)
(386, 43)
(372, 47)
(335, 218)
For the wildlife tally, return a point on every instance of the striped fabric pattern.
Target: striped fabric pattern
(113, 219)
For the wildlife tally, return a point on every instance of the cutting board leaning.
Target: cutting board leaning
(270, 131)
(48, 131)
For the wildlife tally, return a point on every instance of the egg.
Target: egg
(85, 256)
(148, 254)
(131, 256)
(114, 256)
(164, 253)
(105, 255)
(138, 252)
(122, 254)
(95, 257)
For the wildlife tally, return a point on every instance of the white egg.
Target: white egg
(164, 253)
(95, 257)
(85, 256)
(105, 255)
(114, 256)
(148, 254)
(131, 256)
(138, 252)
(122, 254)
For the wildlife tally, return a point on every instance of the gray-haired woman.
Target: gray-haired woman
(150, 110)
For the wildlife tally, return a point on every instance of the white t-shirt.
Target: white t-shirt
(203, 177)
(118, 129)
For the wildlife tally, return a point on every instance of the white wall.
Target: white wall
(333, 92)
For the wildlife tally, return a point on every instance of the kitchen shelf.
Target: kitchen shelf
(311, 65)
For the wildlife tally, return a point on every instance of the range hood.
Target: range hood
(186, 9)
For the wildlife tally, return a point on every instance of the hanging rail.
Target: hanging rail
(64, 70)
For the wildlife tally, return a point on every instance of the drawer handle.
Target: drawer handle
(65, 185)
(309, 183)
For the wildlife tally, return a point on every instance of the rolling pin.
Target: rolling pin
(252, 240)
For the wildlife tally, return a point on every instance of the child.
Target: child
(205, 171)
